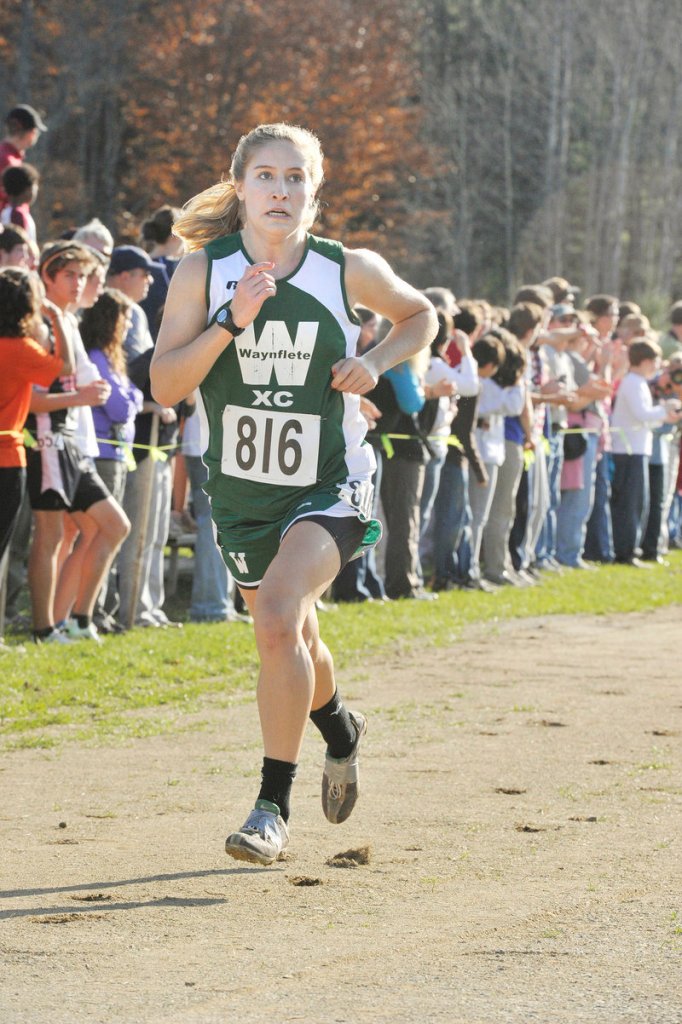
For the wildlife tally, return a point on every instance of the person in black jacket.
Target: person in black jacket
(405, 410)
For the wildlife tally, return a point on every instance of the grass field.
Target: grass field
(138, 684)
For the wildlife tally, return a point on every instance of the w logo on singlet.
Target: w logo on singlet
(276, 352)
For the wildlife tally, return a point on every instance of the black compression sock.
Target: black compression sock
(41, 634)
(277, 778)
(83, 621)
(336, 726)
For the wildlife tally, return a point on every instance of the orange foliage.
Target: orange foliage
(167, 89)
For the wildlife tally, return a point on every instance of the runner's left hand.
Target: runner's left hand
(353, 376)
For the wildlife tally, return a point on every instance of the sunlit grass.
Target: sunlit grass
(140, 683)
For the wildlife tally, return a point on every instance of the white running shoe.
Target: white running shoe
(76, 632)
(55, 637)
(261, 838)
(341, 778)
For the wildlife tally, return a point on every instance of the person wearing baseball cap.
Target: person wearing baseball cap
(125, 258)
(24, 125)
(130, 270)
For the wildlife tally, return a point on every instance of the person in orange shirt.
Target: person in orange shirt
(24, 361)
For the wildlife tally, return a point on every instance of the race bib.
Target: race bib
(359, 494)
(271, 447)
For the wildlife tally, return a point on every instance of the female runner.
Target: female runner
(259, 318)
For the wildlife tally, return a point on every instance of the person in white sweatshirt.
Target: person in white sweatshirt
(494, 404)
(633, 419)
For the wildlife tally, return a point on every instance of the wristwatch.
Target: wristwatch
(224, 319)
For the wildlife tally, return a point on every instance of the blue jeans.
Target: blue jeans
(450, 515)
(575, 509)
(629, 503)
(546, 544)
(599, 537)
(434, 468)
(211, 581)
(675, 522)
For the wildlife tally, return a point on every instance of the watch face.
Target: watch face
(222, 316)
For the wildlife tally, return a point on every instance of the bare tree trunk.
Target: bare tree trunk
(24, 73)
(619, 197)
(671, 179)
(508, 164)
(465, 213)
(564, 120)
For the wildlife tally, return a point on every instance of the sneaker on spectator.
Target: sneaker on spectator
(262, 837)
(76, 632)
(108, 625)
(504, 579)
(479, 584)
(235, 616)
(147, 621)
(163, 621)
(55, 637)
(550, 565)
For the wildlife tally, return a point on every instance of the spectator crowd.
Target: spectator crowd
(530, 439)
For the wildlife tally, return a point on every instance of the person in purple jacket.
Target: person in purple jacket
(103, 329)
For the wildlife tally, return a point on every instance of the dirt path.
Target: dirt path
(521, 799)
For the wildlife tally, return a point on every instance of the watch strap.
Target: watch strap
(224, 320)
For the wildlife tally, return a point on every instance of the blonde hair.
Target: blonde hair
(217, 211)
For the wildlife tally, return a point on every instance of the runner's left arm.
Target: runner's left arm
(371, 282)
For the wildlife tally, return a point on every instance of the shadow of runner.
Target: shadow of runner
(213, 873)
(72, 913)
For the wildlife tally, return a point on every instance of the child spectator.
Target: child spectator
(526, 322)
(24, 360)
(496, 556)
(555, 342)
(451, 511)
(21, 186)
(62, 477)
(103, 328)
(464, 381)
(603, 312)
(16, 249)
(24, 125)
(494, 404)
(633, 419)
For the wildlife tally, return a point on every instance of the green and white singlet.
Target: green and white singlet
(273, 428)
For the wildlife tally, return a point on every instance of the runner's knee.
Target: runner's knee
(275, 623)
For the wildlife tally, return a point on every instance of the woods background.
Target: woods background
(475, 143)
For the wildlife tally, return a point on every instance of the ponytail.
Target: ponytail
(213, 213)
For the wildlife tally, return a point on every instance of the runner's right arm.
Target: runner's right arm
(186, 349)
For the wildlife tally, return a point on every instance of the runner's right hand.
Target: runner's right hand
(256, 285)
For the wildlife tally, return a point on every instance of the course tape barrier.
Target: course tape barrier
(158, 453)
